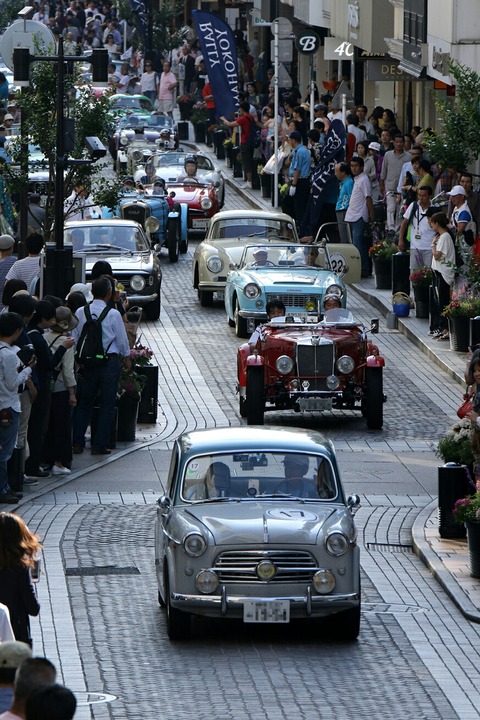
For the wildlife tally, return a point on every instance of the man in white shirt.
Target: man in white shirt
(28, 268)
(123, 80)
(462, 220)
(421, 234)
(392, 165)
(101, 378)
(360, 211)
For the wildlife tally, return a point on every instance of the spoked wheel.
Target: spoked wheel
(240, 323)
(178, 623)
(373, 405)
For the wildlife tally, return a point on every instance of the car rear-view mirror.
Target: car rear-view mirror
(374, 325)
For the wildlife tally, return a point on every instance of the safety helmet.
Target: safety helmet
(190, 158)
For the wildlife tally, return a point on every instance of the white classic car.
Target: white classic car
(255, 525)
(229, 231)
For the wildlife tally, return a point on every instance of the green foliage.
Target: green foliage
(458, 143)
(467, 509)
(9, 11)
(165, 36)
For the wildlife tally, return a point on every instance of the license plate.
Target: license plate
(220, 295)
(266, 611)
(200, 223)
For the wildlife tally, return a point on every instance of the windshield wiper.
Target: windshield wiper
(282, 495)
(216, 499)
(105, 246)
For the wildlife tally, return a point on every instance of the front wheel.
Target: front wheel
(173, 240)
(240, 323)
(152, 310)
(255, 397)
(179, 624)
(373, 405)
(205, 297)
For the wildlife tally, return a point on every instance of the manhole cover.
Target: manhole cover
(391, 608)
(93, 698)
(389, 547)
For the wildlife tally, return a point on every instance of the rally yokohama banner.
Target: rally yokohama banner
(220, 56)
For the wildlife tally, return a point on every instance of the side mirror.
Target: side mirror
(164, 503)
(374, 326)
(353, 502)
(232, 266)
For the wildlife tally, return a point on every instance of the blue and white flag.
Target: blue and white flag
(140, 10)
(220, 56)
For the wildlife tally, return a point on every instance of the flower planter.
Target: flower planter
(199, 131)
(459, 330)
(474, 332)
(229, 155)
(266, 185)
(382, 267)
(182, 130)
(218, 139)
(148, 407)
(185, 110)
(127, 418)
(237, 164)
(473, 539)
(453, 484)
(421, 294)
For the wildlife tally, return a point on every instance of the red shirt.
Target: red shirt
(245, 122)
(207, 90)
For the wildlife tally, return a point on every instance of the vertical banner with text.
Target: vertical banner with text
(219, 51)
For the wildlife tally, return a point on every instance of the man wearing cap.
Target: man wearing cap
(320, 113)
(129, 185)
(12, 655)
(462, 221)
(32, 673)
(246, 122)
(260, 258)
(473, 198)
(295, 483)
(7, 124)
(300, 168)
(7, 259)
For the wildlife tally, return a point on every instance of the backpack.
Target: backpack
(458, 253)
(254, 138)
(89, 351)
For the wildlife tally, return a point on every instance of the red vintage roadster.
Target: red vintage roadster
(305, 366)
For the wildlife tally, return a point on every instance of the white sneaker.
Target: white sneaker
(60, 470)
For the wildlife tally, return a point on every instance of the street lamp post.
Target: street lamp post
(58, 270)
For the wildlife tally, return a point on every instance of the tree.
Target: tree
(9, 11)
(91, 116)
(457, 145)
(165, 36)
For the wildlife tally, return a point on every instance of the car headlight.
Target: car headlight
(152, 224)
(214, 264)
(123, 140)
(334, 290)
(345, 364)
(323, 582)
(251, 291)
(137, 283)
(310, 305)
(194, 544)
(206, 203)
(284, 364)
(206, 581)
(332, 382)
(336, 544)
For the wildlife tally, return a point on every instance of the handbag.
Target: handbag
(466, 407)
(275, 159)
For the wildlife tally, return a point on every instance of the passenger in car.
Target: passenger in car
(275, 308)
(218, 480)
(295, 483)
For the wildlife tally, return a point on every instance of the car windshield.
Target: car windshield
(169, 159)
(105, 237)
(337, 316)
(253, 475)
(252, 227)
(125, 101)
(280, 256)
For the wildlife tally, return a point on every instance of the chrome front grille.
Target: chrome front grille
(315, 362)
(293, 301)
(239, 567)
(135, 212)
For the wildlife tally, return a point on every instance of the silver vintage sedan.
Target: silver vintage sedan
(255, 525)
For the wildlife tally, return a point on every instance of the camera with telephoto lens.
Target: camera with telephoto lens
(25, 354)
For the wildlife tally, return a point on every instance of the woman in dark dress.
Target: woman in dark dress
(18, 550)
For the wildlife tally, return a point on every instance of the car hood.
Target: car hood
(125, 263)
(263, 522)
(293, 276)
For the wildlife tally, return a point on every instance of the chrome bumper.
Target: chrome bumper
(141, 299)
(255, 314)
(300, 605)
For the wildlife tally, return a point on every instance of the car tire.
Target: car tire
(205, 297)
(179, 624)
(374, 398)
(152, 310)
(173, 240)
(161, 601)
(344, 626)
(240, 323)
(255, 397)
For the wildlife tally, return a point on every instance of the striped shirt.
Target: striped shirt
(5, 266)
(26, 269)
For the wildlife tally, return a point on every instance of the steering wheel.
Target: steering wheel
(267, 263)
(190, 181)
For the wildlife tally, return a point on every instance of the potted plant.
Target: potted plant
(381, 253)
(199, 118)
(459, 312)
(228, 149)
(185, 105)
(421, 279)
(455, 477)
(130, 386)
(466, 512)
(142, 358)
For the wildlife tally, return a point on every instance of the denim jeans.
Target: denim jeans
(358, 231)
(8, 437)
(101, 381)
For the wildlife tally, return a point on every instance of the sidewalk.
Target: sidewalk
(446, 559)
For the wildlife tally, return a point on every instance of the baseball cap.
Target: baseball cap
(295, 135)
(260, 251)
(8, 116)
(84, 289)
(320, 106)
(13, 653)
(6, 242)
(374, 146)
(129, 181)
(457, 190)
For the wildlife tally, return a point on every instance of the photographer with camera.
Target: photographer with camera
(11, 379)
